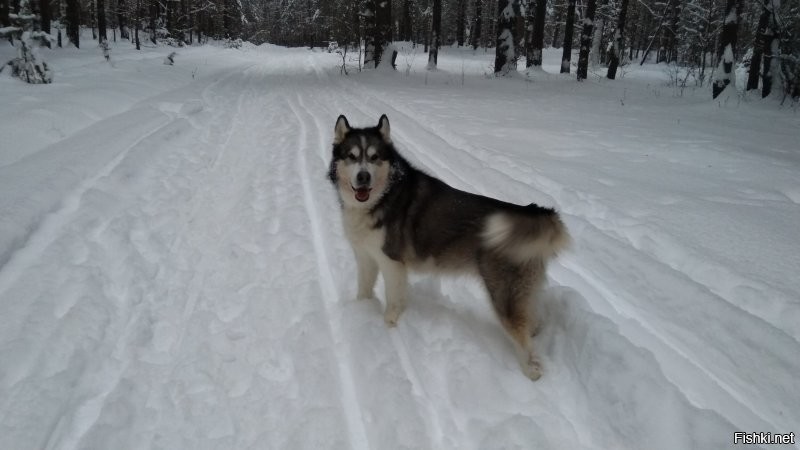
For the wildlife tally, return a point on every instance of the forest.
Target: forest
(702, 41)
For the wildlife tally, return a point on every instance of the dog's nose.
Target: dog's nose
(362, 177)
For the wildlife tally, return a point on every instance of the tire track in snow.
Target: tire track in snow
(352, 408)
(395, 336)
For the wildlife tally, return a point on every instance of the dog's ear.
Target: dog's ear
(341, 129)
(383, 127)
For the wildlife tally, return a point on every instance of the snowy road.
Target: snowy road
(174, 275)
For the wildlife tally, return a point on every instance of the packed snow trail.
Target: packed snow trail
(190, 287)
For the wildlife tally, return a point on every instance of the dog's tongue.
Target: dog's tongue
(362, 194)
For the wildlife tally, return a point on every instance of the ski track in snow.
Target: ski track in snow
(191, 288)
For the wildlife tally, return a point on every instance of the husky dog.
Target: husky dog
(399, 218)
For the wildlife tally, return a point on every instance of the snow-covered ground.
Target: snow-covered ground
(173, 273)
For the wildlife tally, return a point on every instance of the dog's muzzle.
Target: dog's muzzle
(363, 179)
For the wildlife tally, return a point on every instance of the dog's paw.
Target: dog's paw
(532, 368)
(392, 315)
(366, 296)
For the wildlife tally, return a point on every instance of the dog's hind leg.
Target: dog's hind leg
(367, 274)
(395, 276)
(511, 287)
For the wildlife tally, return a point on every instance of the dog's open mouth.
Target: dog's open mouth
(362, 193)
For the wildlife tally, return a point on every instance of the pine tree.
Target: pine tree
(505, 61)
(101, 20)
(28, 65)
(436, 35)
(586, 40)
(772, 72)
(534, 47)
(617, 50)
(74, 22)
(406, 26)
(476, 29)
(44, 12)
(383, 28)
(4, 10)
(727, 48)
(569, 28)
(370, 32)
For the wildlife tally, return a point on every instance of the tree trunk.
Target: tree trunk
(101, 20)
(519, 31)
(436, 35)
(46, 17)
(476, 33)
(597, 37)
(772, 72)
(93, 17)
(153, 18)
(136, 21)
(405, 28)
(537, 35)
(727, 49)
(4, 11)
(586, 40)
(505, 58)
(122, 20)
(370, 33)
(617, 50)
(569, 28)
(557, 25)
(462, 22)
(74, 22)
(383, 22)
(758, 49)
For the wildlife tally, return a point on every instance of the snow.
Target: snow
(173, 271)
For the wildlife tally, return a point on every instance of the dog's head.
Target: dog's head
(360, 166)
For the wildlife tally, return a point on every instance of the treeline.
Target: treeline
(696, 37)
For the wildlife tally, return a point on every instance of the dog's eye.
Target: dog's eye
(351, 157)
(374, 157)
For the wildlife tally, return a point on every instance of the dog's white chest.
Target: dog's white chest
(359, 229)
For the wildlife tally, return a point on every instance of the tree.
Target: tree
(534, 47)
(617, 50)
(569, 28)
(476, 29)
(121, 20)
(44, 13)
(74, 22)
(758, 49)
(406, 26)
(101, 20)
(772, 72)
(4, 10)
(436, 35)
(505, 60)
(383, 28)
(461, 22)
(370, 33)
(586, 40)
(28, 66)
(727, 48)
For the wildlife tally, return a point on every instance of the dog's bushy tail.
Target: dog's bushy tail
(531, 233)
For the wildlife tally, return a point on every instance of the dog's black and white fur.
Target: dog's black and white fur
(399, 218)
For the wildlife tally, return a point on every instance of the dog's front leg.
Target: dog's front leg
(395, 276)
(367, 274)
